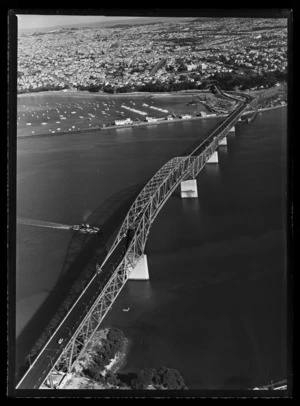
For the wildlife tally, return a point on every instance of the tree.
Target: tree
(136, 384)
(170, 378)
(222, 58)
(108, 89)
(144, 378)
(93, 372)
(169, 68)
(182, 68)
(116, 339)
(112, 379)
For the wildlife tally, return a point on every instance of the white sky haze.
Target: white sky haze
(33, 21)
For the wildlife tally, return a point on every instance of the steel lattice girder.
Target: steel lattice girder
(179, 169)
(159, 183)
(91, 322)
(140, 216)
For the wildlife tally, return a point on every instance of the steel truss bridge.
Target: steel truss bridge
(83, 319)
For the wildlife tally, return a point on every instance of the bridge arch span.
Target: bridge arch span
(156, 192)
(106, 285)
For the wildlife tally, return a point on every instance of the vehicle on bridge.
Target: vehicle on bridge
(98, 269)
(86, 228)
(60, 340)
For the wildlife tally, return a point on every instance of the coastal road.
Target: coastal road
(44, 362)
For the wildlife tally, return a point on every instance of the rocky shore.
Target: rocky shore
(104, 357)
(80, 379)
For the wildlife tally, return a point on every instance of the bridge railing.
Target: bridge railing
(157, 190)
(85, 331)
(187, 167)
(140, 217)
(160, 177)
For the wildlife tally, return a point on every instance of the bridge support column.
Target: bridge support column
(189, 188)
(140, 272)
(232, 129)
(223, 141)
(214, 158)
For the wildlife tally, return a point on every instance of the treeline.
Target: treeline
(161, 378)
(147, 87)
(45, 88)
(90, 88)
(168, 86)
(230, 81)
(104, 352)
(226, 80)
(165, 378)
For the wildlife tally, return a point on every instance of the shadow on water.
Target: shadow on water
(238, 382)
(83, 253)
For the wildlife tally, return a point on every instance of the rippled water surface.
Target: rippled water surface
(214, 307)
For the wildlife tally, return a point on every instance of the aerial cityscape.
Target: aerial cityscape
(151, 175)
(162, 57)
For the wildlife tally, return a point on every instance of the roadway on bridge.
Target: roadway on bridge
(52, 350)
(220, 128)
(44, 362)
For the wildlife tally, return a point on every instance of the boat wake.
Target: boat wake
(39, 223)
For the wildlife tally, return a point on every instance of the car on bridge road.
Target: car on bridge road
(60, 340)
(98, 269)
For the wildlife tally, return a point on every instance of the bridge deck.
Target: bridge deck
(78, 327)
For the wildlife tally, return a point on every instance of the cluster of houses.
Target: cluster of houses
(141, 55)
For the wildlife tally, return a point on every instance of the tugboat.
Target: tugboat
(86, 228)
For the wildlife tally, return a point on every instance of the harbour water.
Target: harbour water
(215, 305)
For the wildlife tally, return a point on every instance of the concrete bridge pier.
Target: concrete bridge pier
(214, 159)
(140, 272)
(223, 141)
(188, 188)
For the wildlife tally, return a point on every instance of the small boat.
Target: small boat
(85, 228)
(126, 310)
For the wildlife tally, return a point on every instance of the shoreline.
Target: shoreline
(117, 95)
(85, 93)
(142, 124)
(119, 359)
(77, 379)
(270, 108)
(115, 127)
